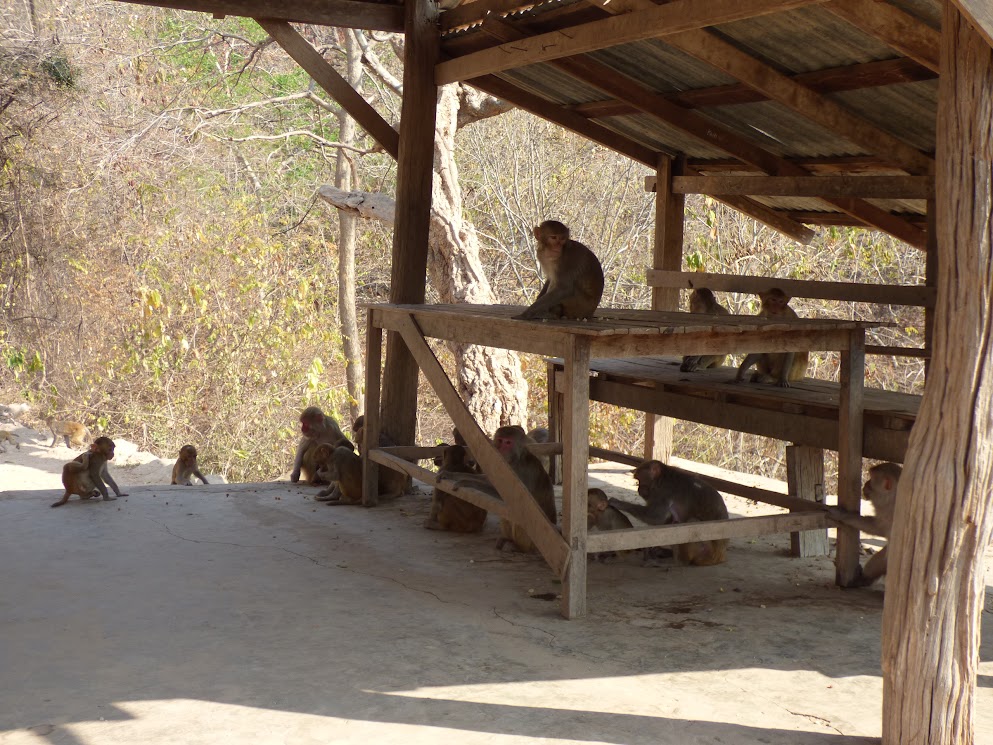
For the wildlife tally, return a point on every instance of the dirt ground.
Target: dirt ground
(250, 613)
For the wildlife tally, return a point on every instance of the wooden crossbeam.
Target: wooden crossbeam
(656, 21)
(337, 87)
(893, 27)
(344, 13)
(868, 187)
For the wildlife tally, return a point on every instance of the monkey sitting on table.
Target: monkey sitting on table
(880, 490)
(85, 475)
(574, 278)
(781, 367)
(674, 496)
(703, 301)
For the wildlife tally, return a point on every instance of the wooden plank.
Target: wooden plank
(899, 351)
(805, 479)
(724, 56)
(880, 219)
(792, 339)
(473, 13)
(371, 428)
(980, 16)
(413, 452)
(892, 26)
(576, 442)
(523, 509)
(554, 399)
(868, 187)
(663, 20)
(671, 535)
(429, 477)
(916, 295)
(344, 13)
(843, 219)
(336, 86)
(850, 424)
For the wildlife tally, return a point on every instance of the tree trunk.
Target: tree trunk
(935, 588)
(354, 373)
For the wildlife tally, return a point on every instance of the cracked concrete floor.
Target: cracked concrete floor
(249, 613)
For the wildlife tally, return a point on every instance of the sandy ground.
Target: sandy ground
(250, 613)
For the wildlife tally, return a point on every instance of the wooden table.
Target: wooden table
(613, 333)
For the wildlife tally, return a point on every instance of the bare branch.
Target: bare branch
(372, 61)
(296, 133)
(365, 204)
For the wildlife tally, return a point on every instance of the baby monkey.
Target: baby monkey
(186, 467)
(781, 367)
(574, 278)
(448, 512)
(86, 474)
(880, 490)
(702, 300)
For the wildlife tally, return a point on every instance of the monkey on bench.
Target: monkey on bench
(880, 490)
(782, 367)
(674, 496)
(573, 276)
(702, 300)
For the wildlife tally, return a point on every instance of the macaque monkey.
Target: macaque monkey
(358, 430)
(781, 367)
(6, 437)
(541, 435)
(186, 467)
(448, 512)
(74, 433)
(880, 490)
(600, 515)
(674, 496)
(460, 441)
(323, 455)
(86, 474)
(345, 473)
(574, 278)
(702, 300)
(315, 428)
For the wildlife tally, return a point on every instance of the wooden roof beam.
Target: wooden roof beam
(346, 13)
(713, 50)
(847, 78)
(654, 21)
(865, 187)
(893, 27)
(337, 87)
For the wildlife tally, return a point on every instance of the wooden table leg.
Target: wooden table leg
(370, 432)
(575, 461)
(554, 424)
(850, 413)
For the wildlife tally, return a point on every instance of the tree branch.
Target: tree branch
(296, 133)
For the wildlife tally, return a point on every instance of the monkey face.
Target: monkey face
(504, 444)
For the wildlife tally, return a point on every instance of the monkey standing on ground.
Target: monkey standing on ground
(574, 278)
(781, 367)
(74, 433)
(674, 496)
(186, 467)
(448, 512)
(880, 490)
(315, 428)
(702, 300)
(86, 474)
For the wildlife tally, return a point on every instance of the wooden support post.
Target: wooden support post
(415, 171)
(370, 430)
(666, 254)
(850, 410)
(554, 424)
(576, 427)
(930, 277)
(805, 478)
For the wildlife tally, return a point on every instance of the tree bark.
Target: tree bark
(354, 372)
(934, 589)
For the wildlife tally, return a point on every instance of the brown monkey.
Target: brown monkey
(600, 515)
(674, 496)
(460, 441)
(86, 474)
(74, 433)
(323, 455)
(541, 435)
(574, 278)
(358, 429)
(345, 472)
(702, 300)
(880, 490)
(186, 467)
(6, 437)
(781, 367)
(448, 512)
(315, 428)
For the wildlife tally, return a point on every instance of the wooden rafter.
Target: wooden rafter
(893, 27)
(866, 187)
(655, 21)
(337, 87)
(847, 78)
(346, 13)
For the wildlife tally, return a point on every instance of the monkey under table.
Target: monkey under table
(613, 333)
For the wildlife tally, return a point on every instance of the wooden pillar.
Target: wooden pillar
(930, 277)
(805, 477)
(935, 586)
(371, 426)
(554, 424)
(666, 254)
(575, 461)
(415, 169)
(850, 426)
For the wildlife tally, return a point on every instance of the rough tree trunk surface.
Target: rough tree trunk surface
(934, 588)
(489, 380)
